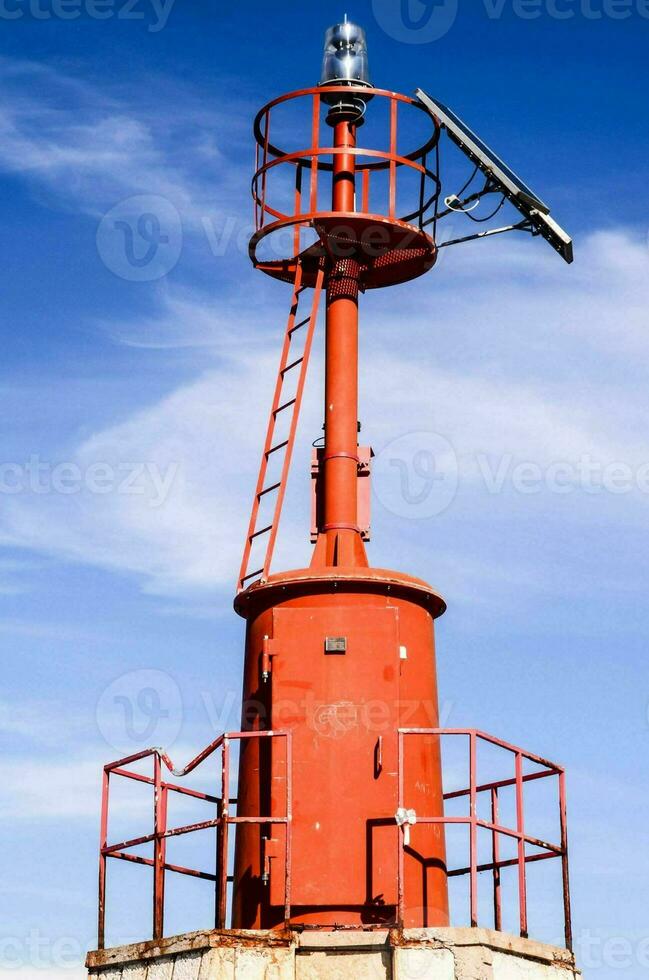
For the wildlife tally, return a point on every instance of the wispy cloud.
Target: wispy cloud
(89, 146)
(533, 407)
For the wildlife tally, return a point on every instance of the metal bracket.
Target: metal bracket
(405, 819)
(268, 651)
(524, 225)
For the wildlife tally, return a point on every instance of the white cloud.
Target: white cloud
(85, 145)
(50, 786)
(210, 430)
(40, 788)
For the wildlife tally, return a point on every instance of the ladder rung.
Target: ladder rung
(296, 326)
(274, 449)
(252, 575)
(268, 489)
(258, 533)
(290, 366)
(284, 406)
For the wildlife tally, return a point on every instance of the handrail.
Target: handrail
(161, 833)
(314, 159)
(519, 833)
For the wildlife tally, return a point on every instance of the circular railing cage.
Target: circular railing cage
(397, 191)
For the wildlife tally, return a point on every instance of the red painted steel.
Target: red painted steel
(340, 810)
(337, 706)
(385, 860)
(363, 496)
(545, 849)
(273, 446)
(161, 833)
(340, 542)
(392, 249)
(325, 642)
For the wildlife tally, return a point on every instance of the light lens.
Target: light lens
(345, 59)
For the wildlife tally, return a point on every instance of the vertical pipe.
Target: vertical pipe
(289, 829)
(495, 857)
(103, 843)
(255, 196)
(315, 143)
(564, 859)
(218, 866)
(222, 884)
(520, 826)
(392, 206)
(473, 845)
(366, 190)
(265, 173)
(400, 854)
(297, 231)
(159, 821)
(340, 457)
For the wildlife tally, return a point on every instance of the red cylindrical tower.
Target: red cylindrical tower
(340, 654)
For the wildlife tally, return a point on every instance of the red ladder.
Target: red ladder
(293, 404)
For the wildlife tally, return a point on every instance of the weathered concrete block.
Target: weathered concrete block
(364, 964)
(161, 969)
(134, 971)
(508, 967)
(187, 966)
(259, 963)
(423, 964)
(415, 954)
(473, 963)
(217, 964)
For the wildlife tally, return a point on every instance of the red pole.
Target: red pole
(222, 872)
(103, 843)
(520, 825)
(495, 856)
(564, 859)
(473, 827)
(159, 849)
(340, 461)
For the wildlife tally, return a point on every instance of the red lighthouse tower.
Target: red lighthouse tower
(338, 825)
(329, 644)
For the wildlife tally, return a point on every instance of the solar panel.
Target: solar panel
(500, 175)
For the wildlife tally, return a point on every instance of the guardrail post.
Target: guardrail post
(222, 867)
(520, 827)
(159, 849)
(400, 854)
(564, 860)
(473, 827)
(315, 160)
(289, 830)
(265, 162)
(392, 205)
(495, 856)
(103, 842)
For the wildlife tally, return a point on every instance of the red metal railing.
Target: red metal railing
(316, 159)
(545, 850)
(161, 833)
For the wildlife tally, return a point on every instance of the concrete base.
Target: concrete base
(414, 954)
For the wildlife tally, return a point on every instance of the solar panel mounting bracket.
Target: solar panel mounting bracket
(499, 177)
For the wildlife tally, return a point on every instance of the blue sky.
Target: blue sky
(525, 377)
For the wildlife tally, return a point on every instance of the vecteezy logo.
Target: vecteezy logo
(140, 239)
(140, 709)
(415, 21)
(416, 475)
